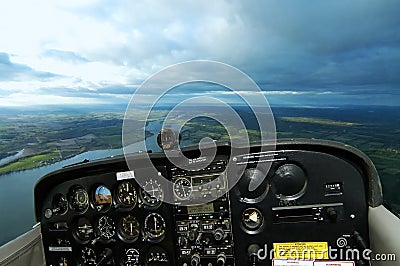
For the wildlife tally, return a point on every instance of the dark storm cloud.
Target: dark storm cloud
(324, 43)
(303, 44)
(13, 71)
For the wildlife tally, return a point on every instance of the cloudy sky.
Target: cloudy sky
(300, 52)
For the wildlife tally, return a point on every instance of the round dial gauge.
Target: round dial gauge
(88, 256)
(154, 227)
(129, 228)
(79, 199)
(126, 194)
(252, 219)
(131, 257)
(84, 230)
(60, 204)
(102, 198)
(182, 188)
(152, 194)
(105, 228)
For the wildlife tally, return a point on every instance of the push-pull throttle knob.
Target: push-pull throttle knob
(221, 259)
(195, 260)
(252, 252)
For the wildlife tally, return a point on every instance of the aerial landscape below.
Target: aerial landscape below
(37, 139)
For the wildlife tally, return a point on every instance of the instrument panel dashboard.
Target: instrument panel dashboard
(96, 213)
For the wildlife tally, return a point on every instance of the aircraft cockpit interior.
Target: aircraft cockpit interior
(199, 133)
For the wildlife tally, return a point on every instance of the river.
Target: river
(12, 157)
(16, 189)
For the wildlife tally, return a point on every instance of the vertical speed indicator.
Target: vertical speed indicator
(154, 227)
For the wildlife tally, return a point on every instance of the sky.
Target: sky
(300, 53)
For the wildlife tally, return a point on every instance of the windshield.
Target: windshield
(88, 80)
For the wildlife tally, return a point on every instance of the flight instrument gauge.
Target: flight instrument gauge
(105, 228)
(60, 204)
(84, 230)
(129, 229)
(102, 198)
(79, 199)
(126, 194)
(182, 188)
(88, 257)
(131, 257)
(154, 227)
(152, 194)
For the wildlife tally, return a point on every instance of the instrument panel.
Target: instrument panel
(97, 214)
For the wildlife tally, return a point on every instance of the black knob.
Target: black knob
(252, 252)
(221, 259)
(219, 234)
(195, 260)
(332, 214)
(289, 181)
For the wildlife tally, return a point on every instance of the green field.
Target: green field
(319, 121)
(31, 162)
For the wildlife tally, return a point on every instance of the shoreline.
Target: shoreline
(42, 163)
(12, 158)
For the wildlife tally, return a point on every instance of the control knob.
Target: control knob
(332, 214)
(219, 234)
(252, 252)
(221, 259)
(195, 260)
(193, 234)
(289, 181)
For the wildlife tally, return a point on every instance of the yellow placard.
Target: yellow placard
(301, 250)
